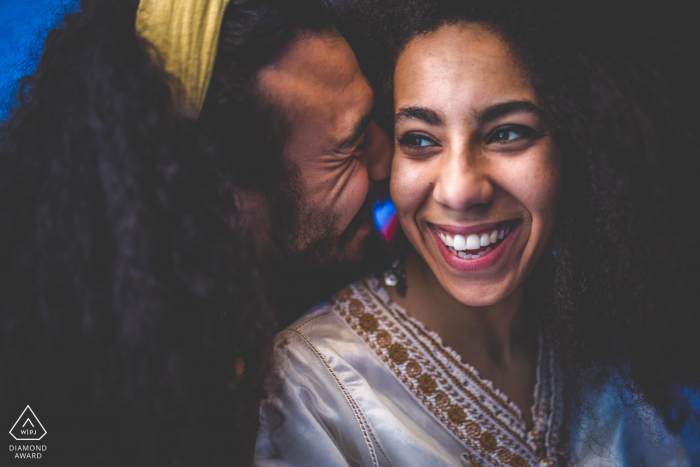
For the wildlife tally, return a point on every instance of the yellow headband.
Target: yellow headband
(186, 35)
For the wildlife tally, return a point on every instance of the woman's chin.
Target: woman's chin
(478, 294)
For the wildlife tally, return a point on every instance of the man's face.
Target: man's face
(321, 215)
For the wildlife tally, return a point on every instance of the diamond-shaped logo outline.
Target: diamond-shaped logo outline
(35, 418)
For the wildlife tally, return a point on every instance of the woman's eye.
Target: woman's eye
(416, 141)
(511, 133)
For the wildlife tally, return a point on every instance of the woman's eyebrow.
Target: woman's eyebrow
(419, 113)
(481, 117)
(497, 111)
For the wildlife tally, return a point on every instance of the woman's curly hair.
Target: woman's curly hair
(132, 314)
(615, 291)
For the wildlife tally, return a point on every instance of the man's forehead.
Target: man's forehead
(316, 73)
(323, 59)
(318, 84)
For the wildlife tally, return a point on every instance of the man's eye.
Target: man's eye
(416, 141)
(511, 133)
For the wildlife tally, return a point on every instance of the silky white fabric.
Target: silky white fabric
(332, 401)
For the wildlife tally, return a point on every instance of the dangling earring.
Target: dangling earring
(395, 276)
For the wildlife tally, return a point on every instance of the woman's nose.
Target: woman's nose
(377, 154)
(463, 181)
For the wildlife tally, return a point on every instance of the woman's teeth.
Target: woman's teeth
(484, 242)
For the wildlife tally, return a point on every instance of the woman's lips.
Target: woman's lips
(477, 247)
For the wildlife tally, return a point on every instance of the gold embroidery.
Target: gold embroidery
(413, 369)
(368, 322)
(473, 429)
(488, 441)
(427, 384)
(442, 400)
(383, 338)
(356, 307)
(517, 461)
(344, 295)
(488, 424)
(504, 455)
(456, 415)
(398, 353)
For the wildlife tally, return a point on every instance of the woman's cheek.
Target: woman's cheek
(408, 186)
(544, 192)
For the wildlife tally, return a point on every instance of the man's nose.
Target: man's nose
(463, 181)
(378, 152)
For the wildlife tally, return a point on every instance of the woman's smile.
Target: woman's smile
(476, 247)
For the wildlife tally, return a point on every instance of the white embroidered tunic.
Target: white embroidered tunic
(358, 382)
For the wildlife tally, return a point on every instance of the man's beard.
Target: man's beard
(306, 236)
(309, 261)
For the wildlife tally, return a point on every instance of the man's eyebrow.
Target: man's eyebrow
(497, 111)
(419, 113)
(360, 128)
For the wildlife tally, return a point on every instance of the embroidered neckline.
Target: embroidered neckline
(487, 384)
(489, 425)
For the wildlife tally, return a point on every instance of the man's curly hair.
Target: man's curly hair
(614, 293)
(132, 314)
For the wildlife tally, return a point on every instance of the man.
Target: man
(309, 155)
(335, 156)
(154, 138)
(336, 152)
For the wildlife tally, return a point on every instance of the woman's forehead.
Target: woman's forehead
(461, 66)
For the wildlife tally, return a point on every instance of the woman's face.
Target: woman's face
(475, 176)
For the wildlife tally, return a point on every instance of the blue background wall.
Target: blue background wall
(23, 25)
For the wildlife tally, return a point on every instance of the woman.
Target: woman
(531, 327)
